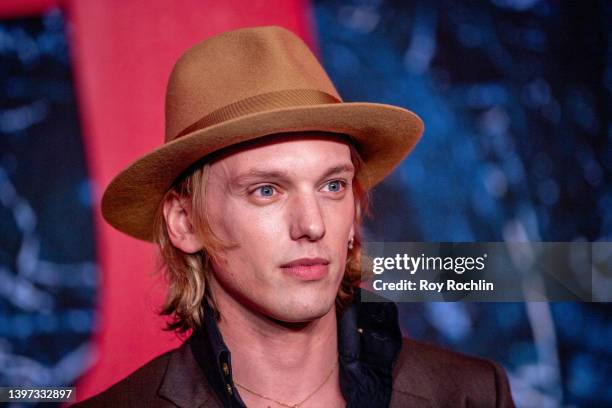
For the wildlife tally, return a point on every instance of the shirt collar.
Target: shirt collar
(214, 358)
(369, 340)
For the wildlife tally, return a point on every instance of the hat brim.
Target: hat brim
(383, 134)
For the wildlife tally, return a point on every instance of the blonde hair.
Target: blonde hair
(188, 275)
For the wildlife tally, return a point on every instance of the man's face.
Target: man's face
(288, 206)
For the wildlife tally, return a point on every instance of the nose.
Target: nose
(306, 218)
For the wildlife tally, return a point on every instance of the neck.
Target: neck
(283, 361)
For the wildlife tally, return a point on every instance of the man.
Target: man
(255, 202)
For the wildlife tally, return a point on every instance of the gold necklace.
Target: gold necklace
(296, 405)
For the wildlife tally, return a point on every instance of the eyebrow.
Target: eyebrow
(343, 168)
(281, 175)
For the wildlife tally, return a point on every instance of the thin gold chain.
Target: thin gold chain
(296, 405)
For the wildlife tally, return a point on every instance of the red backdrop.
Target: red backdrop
(122, 52)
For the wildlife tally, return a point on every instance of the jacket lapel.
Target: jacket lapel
(184, 383)
(400, 399)
(411, 384)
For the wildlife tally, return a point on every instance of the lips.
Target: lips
(307, 269)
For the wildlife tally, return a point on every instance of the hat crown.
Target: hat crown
(236, 65)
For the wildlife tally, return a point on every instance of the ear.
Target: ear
(178, 216)
(352, 232)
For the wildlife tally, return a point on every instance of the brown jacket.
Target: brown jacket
(423, 376)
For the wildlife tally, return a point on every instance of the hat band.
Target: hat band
(261, 103)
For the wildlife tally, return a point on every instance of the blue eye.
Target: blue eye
(266, 191)
(336, 186)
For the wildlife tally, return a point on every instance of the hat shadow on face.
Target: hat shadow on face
(272, 140)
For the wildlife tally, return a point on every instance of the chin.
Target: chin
(303, 310)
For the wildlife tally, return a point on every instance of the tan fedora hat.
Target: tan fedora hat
(242, 85)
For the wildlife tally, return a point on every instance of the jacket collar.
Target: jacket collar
(183, 383)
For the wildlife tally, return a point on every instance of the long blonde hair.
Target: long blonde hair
(187, 275)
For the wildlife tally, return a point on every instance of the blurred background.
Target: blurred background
(515, 96)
